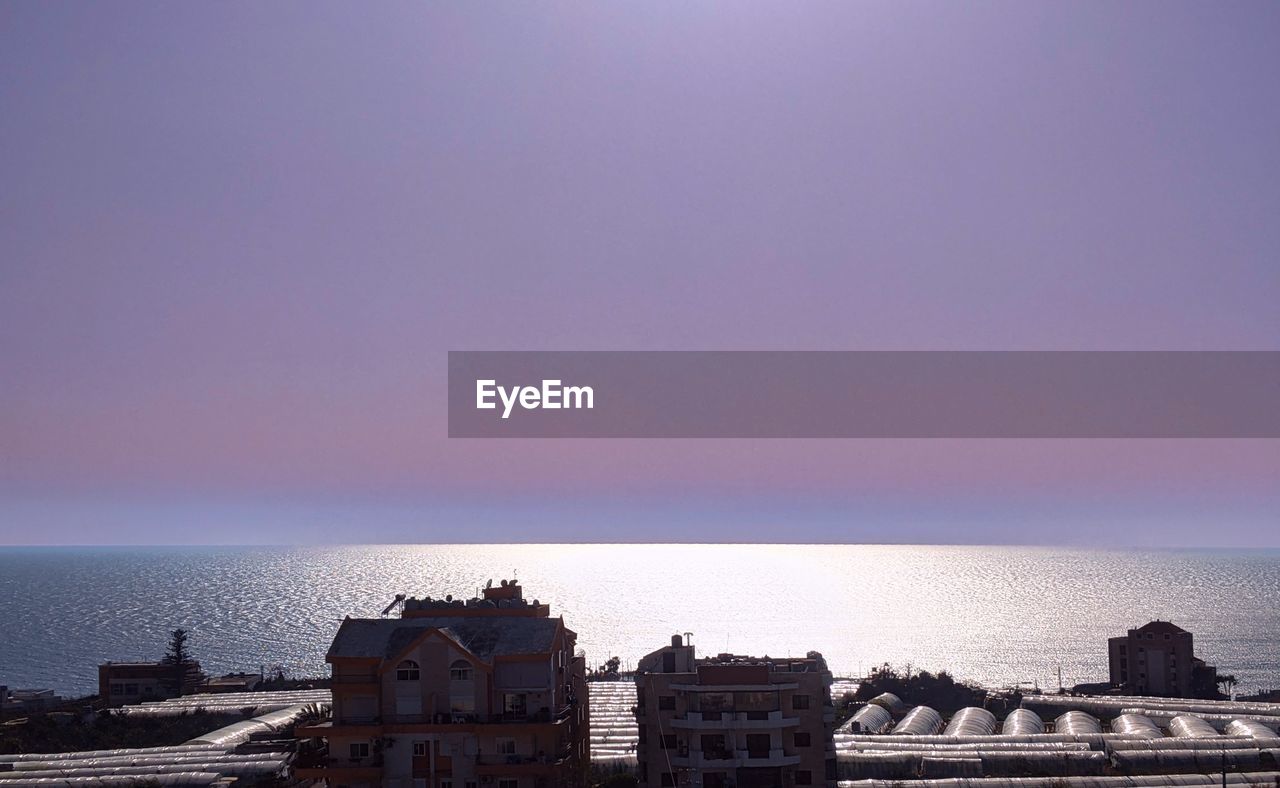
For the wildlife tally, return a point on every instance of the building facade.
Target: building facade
(1159, 659)
(120, 683)
(486, 693)
(735, 721)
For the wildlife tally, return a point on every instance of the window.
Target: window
(758, 745)
(514, 704)
(460, 670)
(713, 743)
(419, 748)
(669, 741)
(117, 689)
(407, 671)
(799, 702)
(713, 701)
(508, 783)
(471, 784)
(804, 777)
(446, 784)
(666, 703)
(802, 738)
(462, 704)
(668, 780)
(506, 746)
(359, 749)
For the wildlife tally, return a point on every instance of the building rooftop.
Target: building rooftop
(1160, 627)
(486, 638)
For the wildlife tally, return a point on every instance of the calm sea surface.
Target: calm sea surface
(997, 616)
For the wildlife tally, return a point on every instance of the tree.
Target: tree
(177, 653)
(609, 670)
(180, 658)
(1228, 683)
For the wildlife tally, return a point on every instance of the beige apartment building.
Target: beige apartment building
(746, 722)
(485, 693)
(1159, 658)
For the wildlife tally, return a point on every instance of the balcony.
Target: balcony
(732, 759)
(734, 720)
(540, 717)
(768, 687)
(320, 766)
(516, 765)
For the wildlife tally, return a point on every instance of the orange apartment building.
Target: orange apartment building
(485, 693)
(737, 721)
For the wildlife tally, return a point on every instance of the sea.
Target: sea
(995, 616)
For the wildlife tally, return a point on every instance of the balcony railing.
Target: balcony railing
(541, 716)
(322, 760)
(520, 760)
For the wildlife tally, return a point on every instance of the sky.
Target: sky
(237, 241)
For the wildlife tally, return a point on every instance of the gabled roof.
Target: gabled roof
(484, 638)
(1162, 626)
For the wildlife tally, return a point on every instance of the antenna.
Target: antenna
(489, 583)
(399, 600)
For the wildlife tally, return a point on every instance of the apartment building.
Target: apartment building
(1159, 658)
(485, 693)
(727, 720)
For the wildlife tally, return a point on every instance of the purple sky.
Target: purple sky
(237, 240)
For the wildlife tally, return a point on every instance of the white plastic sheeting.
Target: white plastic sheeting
(205, 760)
(1095, 740)
(1100, 704)
(871, 718)
(843, 690)
(227, 703)
(1217, 744)
(614, 732)
(1022, 722)
(178, 778)
(1138, 724)
(934, 766)
(1077, 722)
(891, 703)
(1148, 781)
(920, 721)
(257, 769)
(134, 760)
(905, 765)
(238, 733)
(1190, 727)
(1190, 761)
(1249, 728)
(913, 744)
(971, 721)
(1218, 721)
(179, 749)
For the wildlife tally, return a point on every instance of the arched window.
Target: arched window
(407, 671)
(460, 670)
